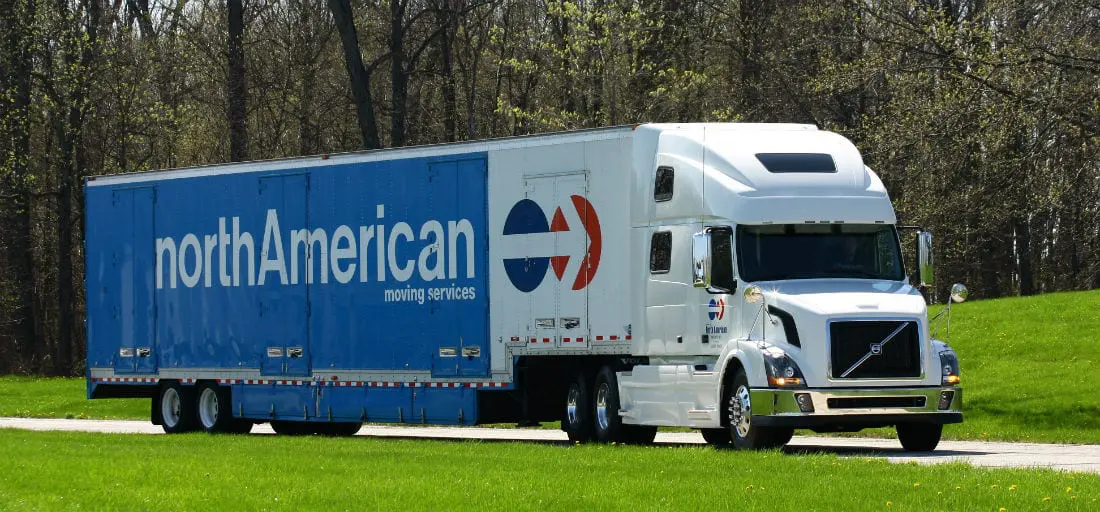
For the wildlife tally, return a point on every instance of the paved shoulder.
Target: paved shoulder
(979, 453)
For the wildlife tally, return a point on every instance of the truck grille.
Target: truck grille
(856, 340)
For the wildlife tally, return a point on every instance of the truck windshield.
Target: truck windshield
(810, 251)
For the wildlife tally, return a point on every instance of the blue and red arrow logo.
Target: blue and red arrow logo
(716, 309)
(527, 217)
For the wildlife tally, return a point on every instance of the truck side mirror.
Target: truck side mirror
(924, 258)
(712, 260)
(700, 260)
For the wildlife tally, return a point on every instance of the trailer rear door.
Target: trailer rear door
(134, 261)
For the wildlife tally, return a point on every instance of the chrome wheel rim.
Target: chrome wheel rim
(601, 406)
(208, 407)
(571, 404)
(741, 411)
(170, 407)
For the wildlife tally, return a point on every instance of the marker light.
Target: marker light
(784, 381)
(951, 379)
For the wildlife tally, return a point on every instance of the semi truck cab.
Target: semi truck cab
(777, 297)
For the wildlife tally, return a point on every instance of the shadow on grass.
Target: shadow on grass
(876, 452)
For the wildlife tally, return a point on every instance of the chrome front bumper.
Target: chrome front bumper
(855, 407)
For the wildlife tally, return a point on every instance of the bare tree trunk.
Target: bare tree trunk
(1023, 256)
(140, 8)
(16, 215)
(446, 53)
(358, 74)
(399, 80)
(238, 85)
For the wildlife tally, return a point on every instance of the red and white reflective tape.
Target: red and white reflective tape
(339, 384)
(534, 340)
(444, 384)
(128, 380)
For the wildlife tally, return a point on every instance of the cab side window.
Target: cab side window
(662, 184)
(660, 252)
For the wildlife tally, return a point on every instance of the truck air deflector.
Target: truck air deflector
(797, 162)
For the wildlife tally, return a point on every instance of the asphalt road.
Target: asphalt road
(1066, 457)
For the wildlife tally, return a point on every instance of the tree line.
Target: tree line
(981, 116)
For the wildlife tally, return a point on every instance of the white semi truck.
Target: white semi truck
(741, 279)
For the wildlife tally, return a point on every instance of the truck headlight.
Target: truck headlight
(949, 366)
(782, 371)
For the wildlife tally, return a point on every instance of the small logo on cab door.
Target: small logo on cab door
(717, 309)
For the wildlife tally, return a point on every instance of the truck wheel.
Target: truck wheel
(577, 423)
(341, 429)
(292, 428)
(919, 437)
(716, 436)
(744, 434)
(177, 409)
(605, 408)
(215, 408)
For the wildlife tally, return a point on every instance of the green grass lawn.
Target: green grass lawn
(38, 397)
(54, 470)
(1030, 367)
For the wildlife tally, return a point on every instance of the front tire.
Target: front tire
(577, 422)
(919, 437)
(744, 434)
(716, 436)
(177, 409)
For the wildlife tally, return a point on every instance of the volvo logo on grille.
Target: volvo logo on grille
(876, 349)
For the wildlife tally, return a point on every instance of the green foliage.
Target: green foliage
(199, 472)
(980, 117)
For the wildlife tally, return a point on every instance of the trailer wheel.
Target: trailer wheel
(291, 428)
(716, 436)
(215, 408)
(177, 408)
(577, 422)
(919, 437)
(744, 434)
(342, 429)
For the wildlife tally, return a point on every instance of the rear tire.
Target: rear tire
(177, 408)
(919, 437)
(608, 425)
(338, 429)
(215, 411)
(577, 422)
(291, 428)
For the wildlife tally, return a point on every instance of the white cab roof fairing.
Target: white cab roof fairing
(738, 186)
